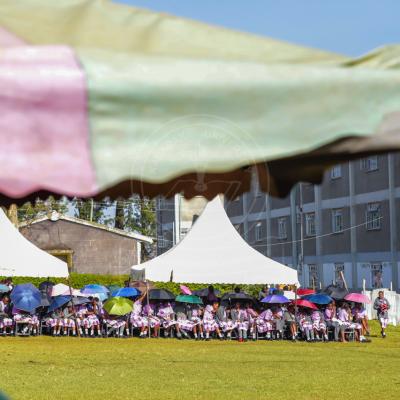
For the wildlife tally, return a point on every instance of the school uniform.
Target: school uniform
(332, 322)
(264, 322)
(226, 324)
(305, 325)
(67, 319)
(241, 322)
(277, 319)
(318, 321)
(183, 322)
(345, 321)
(136, 317)
(91, 319)
(149, 317)
(209, 322)
(166, 315)
(5, 320)
(382, 306)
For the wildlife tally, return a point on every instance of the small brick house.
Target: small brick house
(87, 247)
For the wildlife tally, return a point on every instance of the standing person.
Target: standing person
(382, 305)
(5, 320)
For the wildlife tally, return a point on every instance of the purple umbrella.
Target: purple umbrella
(275, 299)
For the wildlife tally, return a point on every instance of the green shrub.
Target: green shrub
(80, 280)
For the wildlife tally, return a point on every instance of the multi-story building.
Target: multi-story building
(347, 227)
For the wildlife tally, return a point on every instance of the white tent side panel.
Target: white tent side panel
(214, 252)
(20, 257)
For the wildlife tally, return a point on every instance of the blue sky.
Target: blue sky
(351, 27)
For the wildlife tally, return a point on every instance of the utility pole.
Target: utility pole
(301, 261)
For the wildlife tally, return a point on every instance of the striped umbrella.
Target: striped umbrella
(103, 99)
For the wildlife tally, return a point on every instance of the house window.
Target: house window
(310, 224)
(337, 220)
(373, 216)
(258, 231)
(376, 275)
(282, 231)
(369, 164)
(162, 242)
(336, 172)
(339, 273)
(313, 275)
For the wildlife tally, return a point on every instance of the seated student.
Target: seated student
(53, 322)
(360, 316)
(319, 325)
(331, 321)
(277, 320)
(264, 323)
(5, 321)
(345, 320)
(117, 323)
(305, 323)
(240, 320)
(30, 319)
(183, 322)
(210, 323)
(151, 321)
(224, 322)
(194, 314)
(290, 320)
(80, 314)
(68, 320)
(167, 319)
(252, 314)
(91, 320)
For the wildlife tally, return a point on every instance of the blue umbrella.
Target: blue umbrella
(126, 292)
(58, 302)
(94, 289)
(318, 298)
(26, 297)
(275, 299)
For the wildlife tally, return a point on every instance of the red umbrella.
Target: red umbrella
(305, 303)
(304, 292)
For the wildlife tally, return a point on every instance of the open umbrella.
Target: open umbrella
(149, 63)
(318, 298)
(335, 292)
(94, 289)
(357, 298)
(240, 296)
(305, 291)
(161, 294)
(4, 288)
(26, 297)
(126, 292)
(187, 298)
(185, 290)
(205, 292)
(118, 306)
(58, 302)
(113, 288)
(46, 285)
(305, 303)
(275, 299)
(80, 300)
(142, 286)
(60, 290)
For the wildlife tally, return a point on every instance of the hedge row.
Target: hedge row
(80, 280)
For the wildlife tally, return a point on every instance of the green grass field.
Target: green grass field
(105, 369)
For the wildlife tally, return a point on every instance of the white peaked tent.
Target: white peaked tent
(20, 257)
(214, 252)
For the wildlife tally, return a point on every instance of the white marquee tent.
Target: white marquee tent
(20, 257)
(214, 252)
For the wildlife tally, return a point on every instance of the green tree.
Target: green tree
(91, 210)
(40, 208)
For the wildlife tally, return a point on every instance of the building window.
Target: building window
(336, 172)
(337, 220)
(339, 274)
(373, 216)
(162, 242)
(369, 164)
(310, 224)
(258, 231)
(313, 275)
(282, 231)
(376, 275)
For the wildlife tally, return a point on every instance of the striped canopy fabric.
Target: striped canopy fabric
(100, 99)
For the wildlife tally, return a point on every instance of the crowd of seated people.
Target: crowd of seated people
(239, 320)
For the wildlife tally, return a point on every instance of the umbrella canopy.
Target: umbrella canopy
(289, 294)
(45, 300)
(305, 292)
(80, 300)
(151, 69)
(4, 288)
(26, 297)
(161, 294)
(58, 302)
(126, 292)
(357, 298)
(275, 299)
(305, 303)
(46, 285)
(318, 298)
(336, 293)
(142, 286)
(185, 290)
(118, 306)
(93, 289)
(59, 290)
(187, 298)
(113, 288)
(205, 292)
(240, 296)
